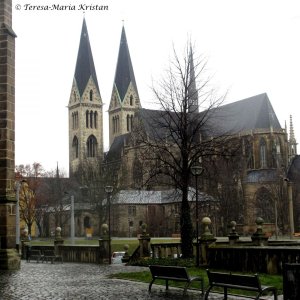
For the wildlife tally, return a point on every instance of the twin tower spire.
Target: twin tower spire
(86, 106)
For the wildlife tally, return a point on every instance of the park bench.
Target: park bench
(49, 255)
(35, 255)
(239, 282)
(173, 273)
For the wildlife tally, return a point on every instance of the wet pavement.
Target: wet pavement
(43, 281)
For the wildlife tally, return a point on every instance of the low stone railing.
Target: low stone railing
(257, 259)
(82, 253)
(165, 250)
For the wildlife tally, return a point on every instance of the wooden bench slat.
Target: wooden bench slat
(173, 273)
(237, 281)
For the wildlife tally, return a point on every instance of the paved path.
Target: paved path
(68, 281)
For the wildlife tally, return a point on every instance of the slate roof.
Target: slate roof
(245, 115)
(293, 173)
(85, 67)
(116, 147)
(124, 71)
(157, 197)
(249, 114)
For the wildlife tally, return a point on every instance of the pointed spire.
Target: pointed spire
(292, 134)
(193, 105)
(57, 171)
(124, 71)
(85, 67)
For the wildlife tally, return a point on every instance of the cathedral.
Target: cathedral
(258, 189)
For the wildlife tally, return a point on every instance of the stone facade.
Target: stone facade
(9, 258)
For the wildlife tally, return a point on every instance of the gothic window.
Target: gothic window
(95, 119)
(73, 121)
(263, 153)
(76, 119)
(75, 147)
(91, 95)
(91, 119)
(131, 122)
(117, 124)
(265, 206)
(91, 146)
(114, 124)
(131, 100)
(128, 121)
(87, 119)
(247, 151)
(74, 96)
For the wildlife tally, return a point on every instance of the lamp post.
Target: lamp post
(72, 221)
(108, 190)
(197, 171)
(18, 185)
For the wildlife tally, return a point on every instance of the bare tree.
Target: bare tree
(178, 136)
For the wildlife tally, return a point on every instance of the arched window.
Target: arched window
(91, 146)
(91, 119)
(118, 124)
(76, 119)
(73, 121)
(131, 122)
(95, 119)
(263, 153)
(248, 152)
(128, 121)
(75, 147)
(87, 222)
(265, 205)
(87, 119)
(74, 96)
(91, 95)
(131, 100)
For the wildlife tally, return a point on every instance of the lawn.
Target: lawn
(117, 244)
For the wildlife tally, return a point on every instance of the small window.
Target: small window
(91, 95)
(131, 100)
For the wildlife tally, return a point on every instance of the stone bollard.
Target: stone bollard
(258, 237)
(104, 245)
(205, 241)
(58, 240)
(126, 256)
(144, 242)
(25, 245)
(233, 235)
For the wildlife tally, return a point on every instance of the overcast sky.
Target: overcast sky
(252, 47)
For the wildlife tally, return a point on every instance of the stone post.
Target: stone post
(205, 240)
(9, 257)
(258, 237)
(58, 240)
(126, 256)
(104, 245)
(144, 242)
(233, 235)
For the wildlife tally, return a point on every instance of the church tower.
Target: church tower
(125, 99)
(85, 109)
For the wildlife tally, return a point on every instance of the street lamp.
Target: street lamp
(197, 171)
(18, 187)
(72, 221)
(108, 190)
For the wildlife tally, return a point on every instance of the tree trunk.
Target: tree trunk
(186, 227)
